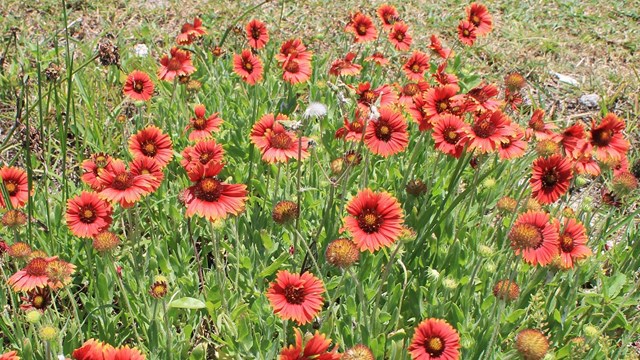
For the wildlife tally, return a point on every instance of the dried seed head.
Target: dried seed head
(14, 219)
(284, 212)
(416, 187)
(105, 241)
(108, 53)
(532, 344)
(358, 352)
(506, 205)
(342, 253)
(506, 290)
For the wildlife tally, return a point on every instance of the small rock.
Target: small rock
(565, 78)
(590, 100)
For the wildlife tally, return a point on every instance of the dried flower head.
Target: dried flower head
(48, 333)
(285, 211)
(14, 218)
(623, 184)
(416, 187)
(547, 147)
(507, 205)
(337, 166)
(105, 241)
(19, 250)
(514, 82)
(52, 72)
(506, 290)
(108, 53)
(342, 253)
(358, 352)
(532, 344)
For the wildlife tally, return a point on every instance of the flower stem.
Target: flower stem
(168, 329)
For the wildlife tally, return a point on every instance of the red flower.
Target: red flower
(435, 339)
(316, 347)
(514, 146)
(368, 96)
(584, 163)
(485, 96)
(538, 128)
(352, 131)
(449, 134)
(209, 197)
(16, 184)
(418, 113)
(535, 237)
(388, 134)
(203, 152)
(573, 243)
(152, 143)
(275, 143)
(416, 66)
(466, 32)
(248, 67)
(571, 136)
(437, 47)
(411, 91)
(441, 99)
(92, 167)
(296, 71)
(388, 15)
(489, 131)
(34, 275)
(607, 138)
(400, 37)
(375, 220)
(362, 27)
(345, 66)
(293, 49)
(296, 297)
(11, 355)
(91, 350)
(179, 64)
(479, 17)
(123, 353)
(120, 185)
(87, 214)
(378, 58)
(203, 126)
(138, 86)
(191, 32)
(444, 78)
(257, 34)
(144, 165)
(551, 178)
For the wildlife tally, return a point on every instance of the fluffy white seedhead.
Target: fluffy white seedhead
(141, 50)
(315, 110)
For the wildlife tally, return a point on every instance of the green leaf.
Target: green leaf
(275, 266)
(615, 284)
(187, 303)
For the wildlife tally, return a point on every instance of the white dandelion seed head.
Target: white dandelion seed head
(315, 110)
(374, 114)
(141, 50)
(433, 274)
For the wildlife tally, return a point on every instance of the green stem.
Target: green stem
(168, 329)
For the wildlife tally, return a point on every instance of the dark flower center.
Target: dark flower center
(484, 128)
(368, 96)
(465, 32)
(138, 86)
(434, 346)
(281, 141)
(87, 214)
(205, 157)
(415, 68)
(442, 106)
(566, 244)
(451, 135)
(292, 67)
(411, 89)
(602, 137)
(101, 161)
(149, 148)
(383, 131)
(550, 178)
(362, 29)
(123, 181)
(369, 221)
(356, 127)
(11, 186)
(475, 19)
(294, 295)
(255, 33)
(199, 123)
(37, 267)
(174, 64)
(399, 36)
(537, 124)
(208, 189)
(525, 236)
(247, 65)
